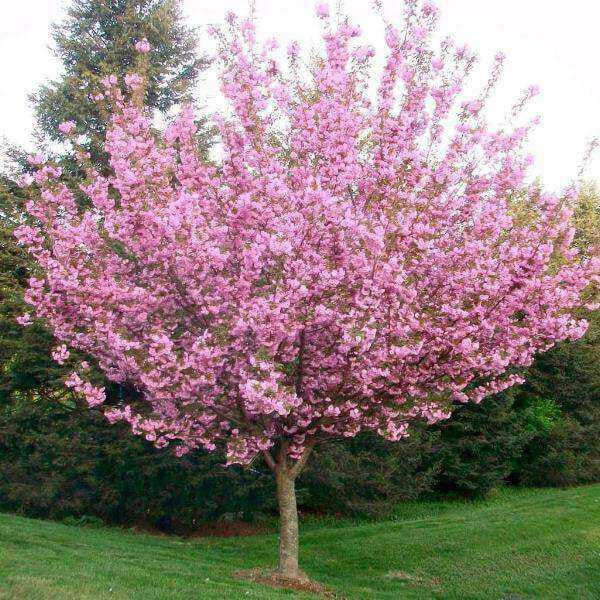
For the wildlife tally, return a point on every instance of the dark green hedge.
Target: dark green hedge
(57, 462)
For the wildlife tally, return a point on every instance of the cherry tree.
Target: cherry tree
(362, 251)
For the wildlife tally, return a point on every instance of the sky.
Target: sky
(550, 43)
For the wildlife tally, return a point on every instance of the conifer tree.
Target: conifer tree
(97, 38)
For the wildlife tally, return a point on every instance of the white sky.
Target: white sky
(548, 42)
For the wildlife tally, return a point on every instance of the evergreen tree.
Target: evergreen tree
(562, 401)
(97, 39)
(480, 446)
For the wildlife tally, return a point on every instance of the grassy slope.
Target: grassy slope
(522, 544)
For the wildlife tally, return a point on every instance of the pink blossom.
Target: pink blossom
(24, 320)
(67, 127)
(133, 81)
(25, 180)
(60, 354)
(474, 106)
(248, 30)
(429, 8)
(73, 381)
(36, 159)
(322, 10)
(392, 36)
(94, 396)
(143, 46)
(364, 52)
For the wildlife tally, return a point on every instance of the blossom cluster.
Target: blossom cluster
(349, 263)
(143, 46)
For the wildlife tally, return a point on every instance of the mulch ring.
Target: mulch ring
(273, 578)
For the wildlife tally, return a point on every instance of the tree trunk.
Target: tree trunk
(288, 525)
(285, 472)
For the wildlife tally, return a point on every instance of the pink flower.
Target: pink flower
(113, 415)
(133, 81)
(392, 36)
(143, 46)
(36, 159)
(364, 53)
(67, 127)
(322, 10)
(109, 81)
(60, 354)
(93, 395)
(24, 320)
(467, 346)
(248, 30)
(419, 33)
(437, 64)
(181, 451)
(73, 381)
(474, 107)
(429, 8)
(25, 180)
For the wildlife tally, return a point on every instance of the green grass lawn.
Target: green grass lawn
(539, 544)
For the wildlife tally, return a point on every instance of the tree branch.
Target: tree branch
(300, 372)
(269, 460)
(296, 469)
